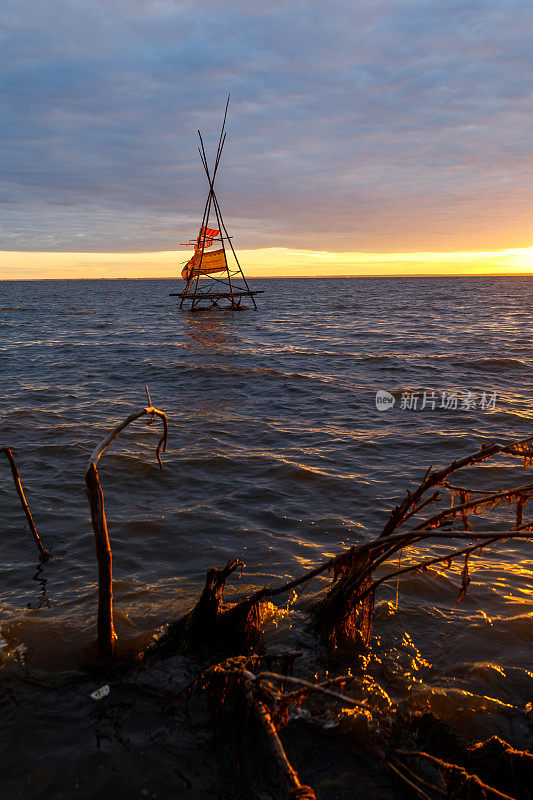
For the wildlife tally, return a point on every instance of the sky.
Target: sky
(364, 137)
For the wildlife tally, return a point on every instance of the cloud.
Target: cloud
(377, 125)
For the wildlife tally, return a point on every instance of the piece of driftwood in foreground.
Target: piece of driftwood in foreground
(240, 684)
(44, 555)
(106, 631)
(343, 613)
(423, 772)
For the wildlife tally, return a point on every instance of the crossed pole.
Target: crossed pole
(213, 201)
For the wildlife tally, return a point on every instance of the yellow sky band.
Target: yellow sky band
(268, 262)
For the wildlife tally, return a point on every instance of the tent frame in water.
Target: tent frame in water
(228, 285)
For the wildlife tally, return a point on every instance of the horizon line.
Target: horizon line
(290, 277)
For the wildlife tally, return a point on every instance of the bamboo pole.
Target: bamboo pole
(205, 218)
(44, 555)
(95, 495)
(203, 225)
(215, 203)
(224, 249)
(207, 208)
(211, 196)
(223, 227)
(235, 254)
(212, 200)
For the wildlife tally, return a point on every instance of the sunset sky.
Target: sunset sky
(379, 136)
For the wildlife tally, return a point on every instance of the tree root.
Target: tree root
(213, 624)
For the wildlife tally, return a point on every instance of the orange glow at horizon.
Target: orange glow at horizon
(266, 263)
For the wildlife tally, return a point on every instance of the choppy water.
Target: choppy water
(277, 455)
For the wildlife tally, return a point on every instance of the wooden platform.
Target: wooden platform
(213, 295)
(205, 300)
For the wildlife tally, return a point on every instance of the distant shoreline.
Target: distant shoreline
(291, 277)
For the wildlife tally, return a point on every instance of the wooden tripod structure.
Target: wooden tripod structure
(224, 282)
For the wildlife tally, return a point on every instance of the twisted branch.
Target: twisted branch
(95, 495)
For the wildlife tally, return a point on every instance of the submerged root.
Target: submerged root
(212, 623)
(343, 615)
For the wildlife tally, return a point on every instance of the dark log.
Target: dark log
(106, 630)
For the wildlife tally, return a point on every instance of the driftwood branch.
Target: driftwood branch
(455, 780)
(305, 687)
(44, 555)
(296, 790)
(343, 614)
(522, 449)
(153, 412)
(263, 694)
(345, 611)
(488, 500)
(95, 495)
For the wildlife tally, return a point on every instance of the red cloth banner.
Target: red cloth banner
(205, 239)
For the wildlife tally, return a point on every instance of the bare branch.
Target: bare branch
(44, 554)
(490, 500)
(429, 562)
(140, 412)
(458, 774)
(397, 517)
